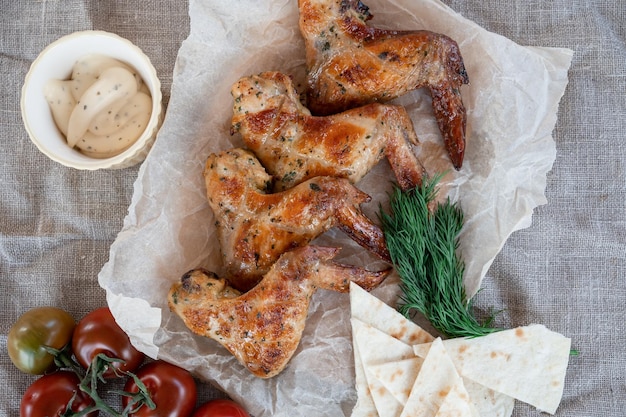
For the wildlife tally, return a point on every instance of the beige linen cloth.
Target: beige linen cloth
(565, 271)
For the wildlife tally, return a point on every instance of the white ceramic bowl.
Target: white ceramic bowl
(56, 62)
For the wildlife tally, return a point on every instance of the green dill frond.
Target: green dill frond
(423, 246)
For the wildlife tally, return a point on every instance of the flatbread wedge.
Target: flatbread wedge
(436, 380)
(364, 406)
(376, 348)
(527, 363)
(398, 377)
(371, 310)
(457, 404)
(366, 308)
(487, 401)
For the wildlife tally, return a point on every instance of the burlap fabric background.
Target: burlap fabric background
(566, 271)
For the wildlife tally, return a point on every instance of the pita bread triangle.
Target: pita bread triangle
(398, 377)
(457, 403)
(487, 401)
(386, 404)
(526, 363)
(377, 347)
(373, 314)
(369, 309)
(436, 379)
(364, 406)
(477, 378)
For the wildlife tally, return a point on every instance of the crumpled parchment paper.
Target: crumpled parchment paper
(512, 103)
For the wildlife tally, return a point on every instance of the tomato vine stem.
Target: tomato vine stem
(90, 383)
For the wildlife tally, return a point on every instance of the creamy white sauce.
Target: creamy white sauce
(103, 108)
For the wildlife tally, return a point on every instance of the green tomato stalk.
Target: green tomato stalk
(89, 384)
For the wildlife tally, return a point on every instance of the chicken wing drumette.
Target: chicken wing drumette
(262, 328)
(295, 146)
(255, 226)
(350, 63)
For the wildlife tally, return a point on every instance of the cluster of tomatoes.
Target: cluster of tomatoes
(74, 358)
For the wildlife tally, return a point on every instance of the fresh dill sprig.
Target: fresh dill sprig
(423, 246)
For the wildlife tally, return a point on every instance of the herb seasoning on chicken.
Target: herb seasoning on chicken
(295, 146)
(350, 64)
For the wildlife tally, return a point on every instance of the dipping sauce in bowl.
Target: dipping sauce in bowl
(92, 100)
(103, 108)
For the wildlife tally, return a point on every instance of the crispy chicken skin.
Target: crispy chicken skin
(262, 328)
(295, 146)
(350, 63)
(255, 227)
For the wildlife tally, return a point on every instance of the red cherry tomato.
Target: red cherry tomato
(172, 389)
(221, 408)
(97, 333)
(49, 395)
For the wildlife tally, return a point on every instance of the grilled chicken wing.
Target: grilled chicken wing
(255, 227)
(350, 63)
(295, 146)
(262, 328)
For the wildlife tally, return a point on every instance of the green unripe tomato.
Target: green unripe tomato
(35, 329)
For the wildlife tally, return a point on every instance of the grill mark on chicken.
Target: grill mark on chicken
(255, 227)
(295, 146)
(263, 327)
(350, 64)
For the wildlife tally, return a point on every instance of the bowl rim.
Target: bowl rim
(138, 149)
